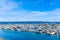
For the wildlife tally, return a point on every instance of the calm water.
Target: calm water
(31, 22)
(13, 35)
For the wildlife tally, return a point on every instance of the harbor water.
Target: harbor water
(14, 35)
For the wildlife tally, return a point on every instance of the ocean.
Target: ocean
(29, 22)
(15, 35)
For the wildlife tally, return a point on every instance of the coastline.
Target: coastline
(44, 27)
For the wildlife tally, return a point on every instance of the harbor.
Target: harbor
(46, 28)
(29, 31)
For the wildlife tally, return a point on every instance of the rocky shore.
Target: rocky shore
(50, 29)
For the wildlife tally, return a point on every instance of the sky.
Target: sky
(30, 10)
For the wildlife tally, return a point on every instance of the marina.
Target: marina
(29, 31)
(47, 28)
(14, 35)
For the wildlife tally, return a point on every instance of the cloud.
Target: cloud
(7, 13)
(7, 5)
(25, 15)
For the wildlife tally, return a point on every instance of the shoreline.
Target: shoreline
(50, 29)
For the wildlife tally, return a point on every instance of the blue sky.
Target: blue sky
(30, 10)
